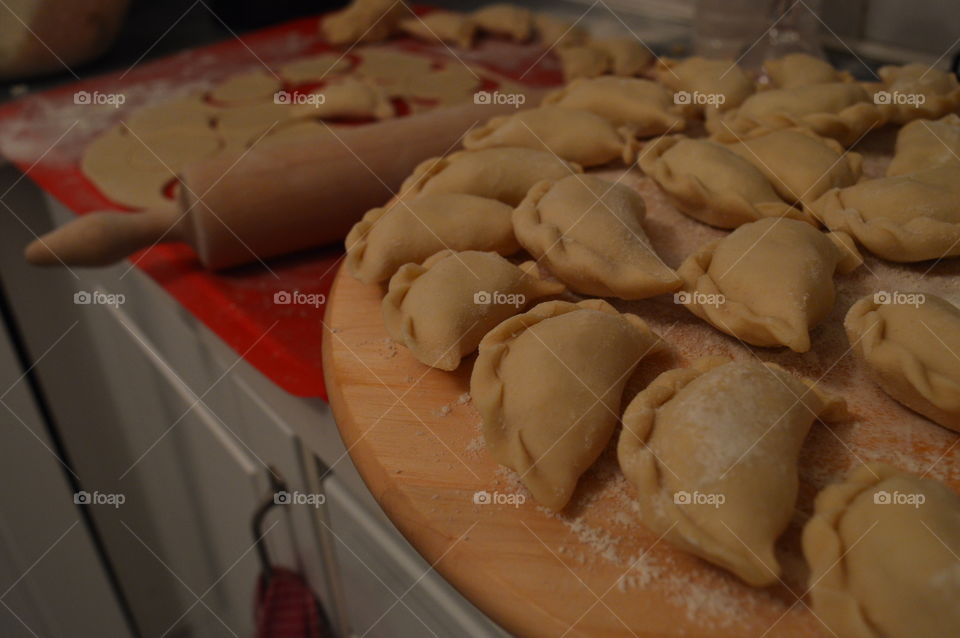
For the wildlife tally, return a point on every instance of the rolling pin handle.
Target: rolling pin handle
(104, 238)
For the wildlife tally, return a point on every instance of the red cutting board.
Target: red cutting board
(44, 135)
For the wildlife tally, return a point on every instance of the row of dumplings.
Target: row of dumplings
(549, 382)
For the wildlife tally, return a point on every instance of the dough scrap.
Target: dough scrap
(554, 32)
(134, 170)
(923, 144)
(571, 134)
(242, 125)
(627, 55)
(802, 69)
(912, 350)
(915, 91)
(503, 174)
(704, 83)
(767, 283)
(712, 451)
(506, 20)
(246, 88)
(390, 66)
(589, 234)
(442, 309)
(549, 396)
(190, 111)
(347, 98)
(364, 21)
(906, 218)
(449, 27)
(841, 110)
(410, 231)
(882, 563)
(314, 69)
(800, 164)
(452, 85)
(711, 183)
(644, 104)
(583, 61)
(296, 131)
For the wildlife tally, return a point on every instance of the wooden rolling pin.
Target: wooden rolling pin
(274, 200)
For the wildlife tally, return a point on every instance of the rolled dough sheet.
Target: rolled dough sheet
(389, 66)
(313, 69)
(191, 111)
(256, 86)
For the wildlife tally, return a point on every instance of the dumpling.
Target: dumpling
(548, 384)
(442, 26)
(910, 342)
(582, 61)
(589, 234)
(767, 283)
(646, 105)
(841, 110)
(703, 82)
(363, 21)
(882, 548)
(712, 452)
(554, 32)
(711, 183)
(506, 20)
(924, 144)
(802, 69)
(441, 310)
(916, 91)
(800, 164)
(409, 231)
(347, 98)
(628, 56)
(572, 134)
(504, 174)
(906, 218)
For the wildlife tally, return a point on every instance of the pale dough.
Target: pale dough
(313, 69)
(449, 27)
(245, 88)
(507, 20)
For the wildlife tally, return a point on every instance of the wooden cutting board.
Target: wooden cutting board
(595, 570)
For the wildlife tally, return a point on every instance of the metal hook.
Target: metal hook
(259, 515)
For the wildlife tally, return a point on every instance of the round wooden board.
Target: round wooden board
(595, 570)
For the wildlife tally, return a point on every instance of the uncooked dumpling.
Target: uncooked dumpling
(442, 26)
(548, 384)
(347, 98)
(588, 232)
(440, 310)
(628, 56)
(712, 452)
(841, 110)
(410, 231)
(802, 69)
(582, 61)
(767, 283)
(504, 174)
(572, 134)
(646, 105)
(554, 32)
(911, 344)
(800, 164)
(924, 144)
(711, 183)
(364, 21)
(906, 218)
(507, 20)
(882, 548)
(703, 82)
(916, 91)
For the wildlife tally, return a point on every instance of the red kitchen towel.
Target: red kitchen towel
(285, 607)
